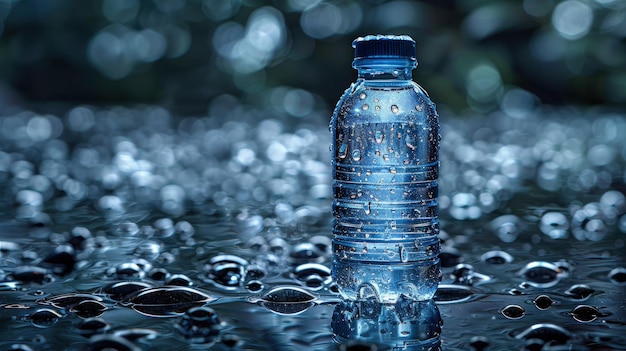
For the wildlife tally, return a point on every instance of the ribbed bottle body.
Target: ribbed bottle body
(385, 167)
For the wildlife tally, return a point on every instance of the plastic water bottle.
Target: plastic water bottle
(385, 164)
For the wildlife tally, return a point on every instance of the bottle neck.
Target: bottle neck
(384, 68)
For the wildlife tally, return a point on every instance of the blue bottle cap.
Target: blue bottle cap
(384, 46)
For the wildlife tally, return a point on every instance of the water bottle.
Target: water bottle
(385, 164)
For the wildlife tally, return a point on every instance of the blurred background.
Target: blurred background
(294, 56)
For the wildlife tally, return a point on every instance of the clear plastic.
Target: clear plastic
(385, 133)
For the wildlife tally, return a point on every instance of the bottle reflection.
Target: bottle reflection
(405, 325)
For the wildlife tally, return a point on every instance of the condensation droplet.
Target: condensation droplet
(356, 155)
(404, 256)
(343, 151)
(365, 107)
(410, 142)
(394, 108)
(380, 136)
(362, 96)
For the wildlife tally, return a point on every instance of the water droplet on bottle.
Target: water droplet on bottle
(362, 96)
(380, 136)
(394, 109)
(419, 108)
(410, 142)
(343, 150)
(365, 107)
(377, 107)
(404, 255)
(513, 312)
(368, 208)
(356, 155)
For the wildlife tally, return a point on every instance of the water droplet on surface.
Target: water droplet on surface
(179, 280)
(579, 292)
(362, 96)
(479, 343)
(447, 294)
(199, 325)
(554, 225)
(136, 334)
(394, 109)
(92, 326)
(227, 275)
(306, 252)
(496, 257)
(34, 274)
(585, 313)
(543, 302)
(356, 155)
(69, 300)
(44, 317)
(167, 301)
(61, 261)
(450, 257)
(513, 312)
(548, 333)
(254, 286)
(365, 107)
(111, 342)
(88, 308)
(20, 347)
(120, 290)
(286, 300)
(618, 276)
(541, 274)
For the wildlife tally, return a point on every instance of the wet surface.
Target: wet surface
(129, 229)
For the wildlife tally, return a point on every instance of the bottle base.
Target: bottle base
(387, 282)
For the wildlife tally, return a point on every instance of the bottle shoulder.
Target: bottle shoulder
(369, 101)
